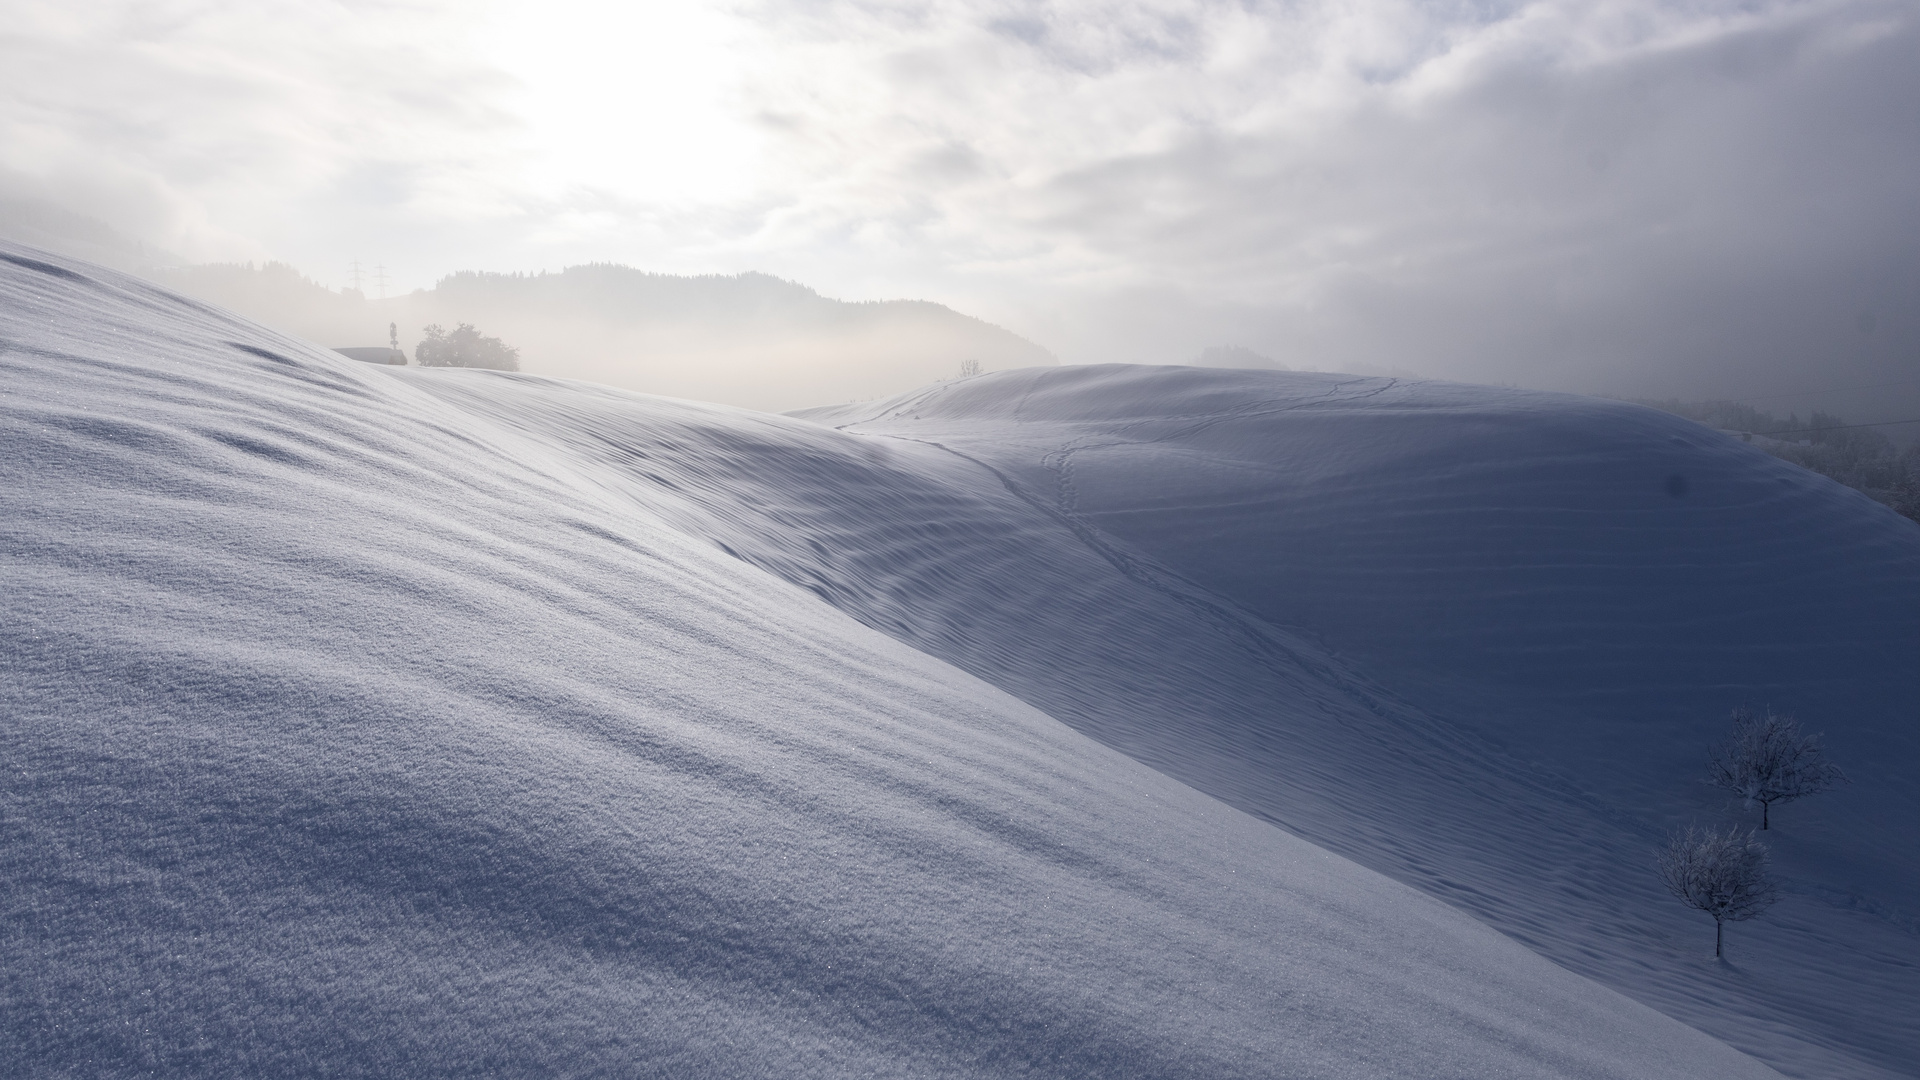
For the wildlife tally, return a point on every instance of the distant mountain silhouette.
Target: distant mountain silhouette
(747, 339)
(43, 224)
(1235, 356)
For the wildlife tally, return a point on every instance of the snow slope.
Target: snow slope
(1525, 616)
(1465, 636)
(362, 721)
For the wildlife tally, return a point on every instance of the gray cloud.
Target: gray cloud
(1716, 204)
(1629, 197)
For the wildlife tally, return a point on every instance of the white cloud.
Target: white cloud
(249, 115)
(1555, 192)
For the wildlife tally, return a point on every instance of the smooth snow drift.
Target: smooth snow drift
(362, 721)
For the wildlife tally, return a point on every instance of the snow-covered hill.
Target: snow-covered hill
(369, 721)
(1526, 616)
(1477, 639)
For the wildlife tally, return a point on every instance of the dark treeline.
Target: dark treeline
(1863, 458)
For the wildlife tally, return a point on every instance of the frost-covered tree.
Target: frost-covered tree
(1724, 875)
(1767, 759)
(465, 346)
(969, 368)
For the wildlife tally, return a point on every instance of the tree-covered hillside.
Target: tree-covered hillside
(1859, 456)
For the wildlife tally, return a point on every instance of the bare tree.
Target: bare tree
(1767, 760)
(1722, 875)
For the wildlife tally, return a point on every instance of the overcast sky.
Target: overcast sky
(1632, 197)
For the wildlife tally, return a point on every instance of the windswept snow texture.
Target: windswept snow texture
(369, 722)
(1477, 639)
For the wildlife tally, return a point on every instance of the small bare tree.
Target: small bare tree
(1722, 875)
(1766, 759)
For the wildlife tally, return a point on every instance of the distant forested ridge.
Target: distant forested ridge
(622, 293)
(746, 339)
(1863, 458)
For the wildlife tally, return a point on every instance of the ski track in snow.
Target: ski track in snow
(377, 721)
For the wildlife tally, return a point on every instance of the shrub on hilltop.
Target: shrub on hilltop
(465, 346)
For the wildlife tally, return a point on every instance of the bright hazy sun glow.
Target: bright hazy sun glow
(634, 104)
(1643, 196)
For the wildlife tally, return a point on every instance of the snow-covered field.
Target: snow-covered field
(372, 721)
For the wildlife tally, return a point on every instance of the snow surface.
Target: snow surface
(1479, 639)
(376, 721)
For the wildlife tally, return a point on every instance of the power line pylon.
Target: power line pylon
(354, 271)
(380, 279)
